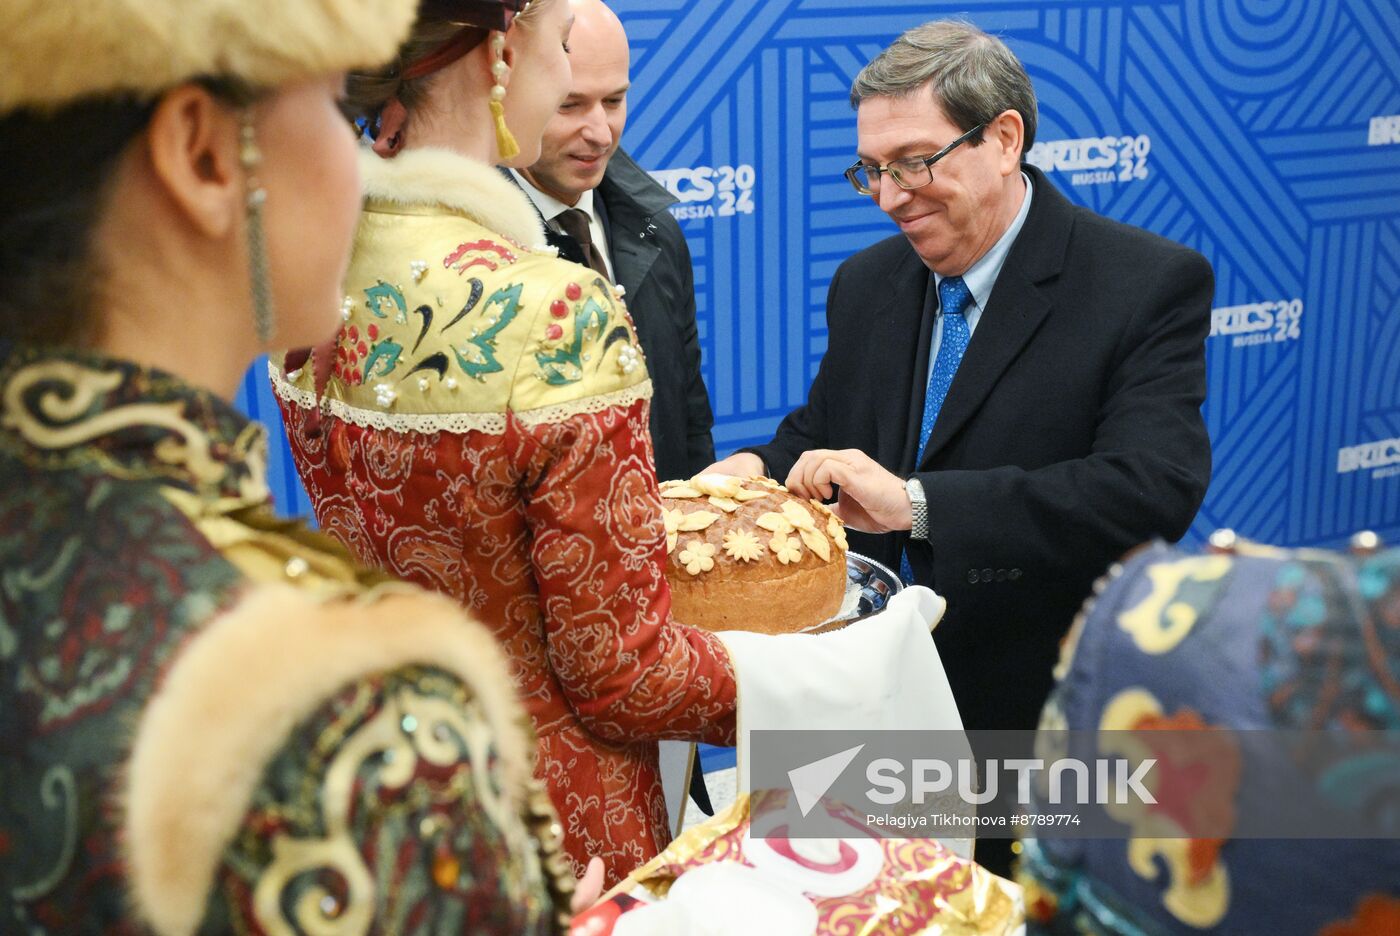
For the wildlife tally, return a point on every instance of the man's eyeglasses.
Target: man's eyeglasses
(908, 173)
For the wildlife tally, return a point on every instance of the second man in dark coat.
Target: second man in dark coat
(603, 211)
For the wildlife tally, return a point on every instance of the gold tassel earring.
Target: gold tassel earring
(264, 320)
(505, 140)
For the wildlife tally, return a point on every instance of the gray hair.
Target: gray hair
(972, 75)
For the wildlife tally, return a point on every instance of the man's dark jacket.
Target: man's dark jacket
(651, 261)
(1072, 431)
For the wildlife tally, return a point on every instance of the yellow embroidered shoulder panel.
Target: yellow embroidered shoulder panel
(449, 326)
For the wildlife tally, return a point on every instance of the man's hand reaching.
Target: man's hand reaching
(871, 499)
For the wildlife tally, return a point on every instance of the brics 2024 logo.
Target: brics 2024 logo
(1094, 160)
(710, 192)
(1257, 323)
(1381, 458)
(1384, 131)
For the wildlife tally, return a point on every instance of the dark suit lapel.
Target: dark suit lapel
(918, 375)
(633, 253)
(897, 362)
(627, 199)
(1015, 310)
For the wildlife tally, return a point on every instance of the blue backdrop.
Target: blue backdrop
(1263, 133)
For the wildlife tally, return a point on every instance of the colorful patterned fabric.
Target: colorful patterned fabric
(1265, 639)
(517, 479)
(132, 518)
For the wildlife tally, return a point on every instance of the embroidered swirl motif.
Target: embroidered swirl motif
(411, 729)
(59, 791)
(73, 392)
(477, 357)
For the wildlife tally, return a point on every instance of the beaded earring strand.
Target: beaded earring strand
(250, 157)
(505, 140)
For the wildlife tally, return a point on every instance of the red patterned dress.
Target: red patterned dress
(483, 432)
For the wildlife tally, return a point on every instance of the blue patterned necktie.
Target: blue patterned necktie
(953, 296)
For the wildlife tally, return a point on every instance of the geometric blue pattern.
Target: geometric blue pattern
(1254, 131)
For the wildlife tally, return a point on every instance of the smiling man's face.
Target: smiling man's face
(581, 138)
(955, 219)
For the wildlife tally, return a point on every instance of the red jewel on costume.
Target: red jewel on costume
(373, 331)
(554, 333)
(362, 349)
(354, 333)
(558, 309)
(573, 291)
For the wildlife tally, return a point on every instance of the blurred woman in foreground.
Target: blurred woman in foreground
(212, 720)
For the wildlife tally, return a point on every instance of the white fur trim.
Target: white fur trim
(236, 692)
(58, 51)
(433, 176)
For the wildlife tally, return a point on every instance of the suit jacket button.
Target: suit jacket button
(972, 576)
(988, 575)
(1014, 574)
(1001, 575)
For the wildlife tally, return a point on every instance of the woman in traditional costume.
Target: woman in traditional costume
(212, 720)
(480, 426)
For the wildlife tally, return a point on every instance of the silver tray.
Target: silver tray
(869, 587)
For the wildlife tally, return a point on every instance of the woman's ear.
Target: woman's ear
(193, 141)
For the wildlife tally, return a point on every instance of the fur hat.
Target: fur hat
(57, 52)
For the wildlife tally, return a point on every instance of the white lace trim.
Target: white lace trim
(489, 423)
(561, 412)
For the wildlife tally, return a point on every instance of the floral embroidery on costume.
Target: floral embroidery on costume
(526, 494)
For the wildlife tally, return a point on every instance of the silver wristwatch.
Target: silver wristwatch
(919, 505)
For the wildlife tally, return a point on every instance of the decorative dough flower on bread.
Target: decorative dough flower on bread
(698, 557)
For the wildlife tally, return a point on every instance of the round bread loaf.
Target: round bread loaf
(745, 554)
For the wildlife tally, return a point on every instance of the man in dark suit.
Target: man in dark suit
(602, 210)
(1010, 397)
